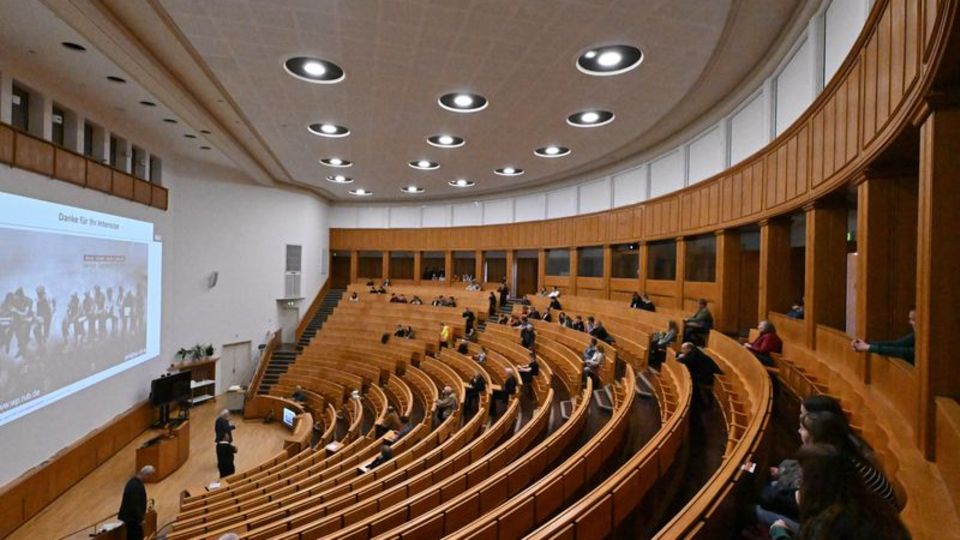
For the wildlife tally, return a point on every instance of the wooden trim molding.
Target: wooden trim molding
(26, 496)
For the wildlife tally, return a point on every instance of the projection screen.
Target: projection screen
(79, 300)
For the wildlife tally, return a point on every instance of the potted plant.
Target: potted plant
(197, 353)
(182, 354)
(210, 350)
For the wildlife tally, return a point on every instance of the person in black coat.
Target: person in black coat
(492, 308)
(468, 318)
(503, 394)
(225, 453)
(527, 335)
(133, 506)
(530, 370)
(702, 370)
(475, 387)
(504, 292)
(223, 428)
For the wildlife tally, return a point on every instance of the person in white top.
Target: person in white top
(592, 367)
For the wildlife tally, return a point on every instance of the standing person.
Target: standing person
(702, 370)
(492, 307)
(225, 452)
(133, 506)
(659, 341)
(504, 292)
(469, 318)
(527, 335)
(503, 394)
(223, 428)
(475, 387)
(446, 334)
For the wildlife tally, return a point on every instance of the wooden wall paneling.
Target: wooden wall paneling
(948, 442)
(852, 95)
(911, 56)
(607, 269)
(886, 255)
(695, 290)
(121, 184)
(728, 280)
(478, 265)
(937, 261)
(448, 267)
(99, 177)
(758, 185)
(826, 258)
(770, 178)
(642, 268)
(817, 174)
(774, 281)
(354, 266)
(158, 197)
(574, 269)
(829, 136)
(7, 137)
(681, 270)
(869, 91)
(142, 191)
(884, 68)
(898, 18)
(541, 268)
(511, 264)
(663, 292)
(930, 20)
(33, 154)
(70, 167)
(417, 267)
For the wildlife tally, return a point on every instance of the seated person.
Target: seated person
(381, 290)
(480, 356)
(659, 341)
(533, 314)
(529, 370)
(390, 422)
(401, 299)
(405, 427)
(438, 301)
(796, 311)
(555, 293)
(600, 332)
(515, 321)
(635, 301)
(767, 343)
(503, 394)
(473, 286)
(451, 302)
(475, 387)
(542, 292)
(592, 367)
(562, 319)
(554, 303)
(697, 327)
(590, 350)
(408, 332)
(416, 301)
(373, 290)
(400, 331)
(578, 324)
(902, 347)
(394, 299)
(471, 335)
(354, 297)
(370, 283)
(386, 283)
(646, 303)
(386, 454)
(702, 370)
(547, 315)
(527, 335)
(299, 395)
(463, 347)
(445, 406)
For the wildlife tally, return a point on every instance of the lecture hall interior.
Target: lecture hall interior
(485, 269)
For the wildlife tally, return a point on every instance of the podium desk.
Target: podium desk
(165, 452)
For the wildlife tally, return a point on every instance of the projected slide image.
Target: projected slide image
(70, 307)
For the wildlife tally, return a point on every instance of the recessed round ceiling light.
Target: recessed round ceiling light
(590, 118)
(336, 162)
(462, 102)
(552, 151)
(424, 164)
(327, 129)
(360, 192)
(205, 131)
(73, 46)
(509, 171)
(205, 148)
(339, 179)
(118, 80)
(446, 141)
(412, 189)
(315, 70)
(170, 120)
(609, 60)
(462, 183)
(146, 103)
(190, 136)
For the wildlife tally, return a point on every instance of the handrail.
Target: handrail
(272, 344)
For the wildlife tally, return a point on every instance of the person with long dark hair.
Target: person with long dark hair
(835, 504)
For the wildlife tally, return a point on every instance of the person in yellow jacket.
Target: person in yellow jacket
(446, 335)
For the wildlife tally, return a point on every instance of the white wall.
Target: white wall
(214, 224)
(843, 20)
(778, 101)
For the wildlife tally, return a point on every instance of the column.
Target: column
(511, 261)
(448, 267)
(886, 255)
(574, 269)
(385, 265)
(6, 98)
(607, 269)
(354, 266)
(417, 266)
(41, 116)
(825, 282)
(101, 145)
(681, 270)
(73, 131)
(774, 267)
(642, 268)
(478, 266)
(938, 235)
(728, 280)
(541, 269)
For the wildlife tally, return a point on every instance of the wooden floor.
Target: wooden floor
(98, 495)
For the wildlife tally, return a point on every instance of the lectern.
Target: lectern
(166, 452)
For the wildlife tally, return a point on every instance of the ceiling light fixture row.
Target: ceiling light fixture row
(412, 189)
(551, 151)
(462, 183)
(462, 102)
(446, 141)
(336, 162)
(509, 171)
(328, 129)
(360, 192)
(339, 179)
(609, 60)
(424, 165)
